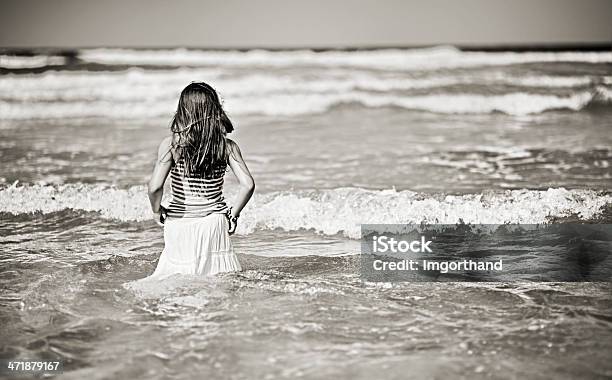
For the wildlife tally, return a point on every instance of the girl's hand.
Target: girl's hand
(232, 221)
(161, 216)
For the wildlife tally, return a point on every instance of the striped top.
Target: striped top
(196, 196)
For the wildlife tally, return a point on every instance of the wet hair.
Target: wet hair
(198, 130)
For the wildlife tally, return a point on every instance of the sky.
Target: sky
(308, 23)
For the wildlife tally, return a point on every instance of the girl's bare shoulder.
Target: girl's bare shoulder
(232, 146)
(166, 142)
(166, 147)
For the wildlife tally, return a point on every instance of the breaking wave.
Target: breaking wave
(441, 57)
(327, 212)
(137, 93)
(136, 83)
(517, 104)
(30, 62)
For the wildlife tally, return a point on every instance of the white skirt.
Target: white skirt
(200, 246)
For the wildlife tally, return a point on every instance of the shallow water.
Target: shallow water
(333, 141)
(287, 317)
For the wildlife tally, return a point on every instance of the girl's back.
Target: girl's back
(196, 196)
(198, 222)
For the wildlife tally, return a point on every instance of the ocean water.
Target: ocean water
(334, 139)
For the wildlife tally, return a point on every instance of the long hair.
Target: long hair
(199, 127)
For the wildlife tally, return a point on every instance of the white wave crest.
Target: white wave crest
(540, 80)
(383, 59)
(30, 62)
(305, 103)
(325, 211)
(605, 93)
(138, 84)
(142, 94)
(511, 104)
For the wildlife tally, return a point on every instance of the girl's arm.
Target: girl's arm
(247, 184)
(160, 172)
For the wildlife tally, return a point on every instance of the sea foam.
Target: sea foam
(142, 94)
(30, 62)
(441, 57)
(516, 103)
(328, 212)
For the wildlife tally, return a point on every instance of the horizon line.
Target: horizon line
(516, 47)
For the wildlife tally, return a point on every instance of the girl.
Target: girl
(197, 222)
